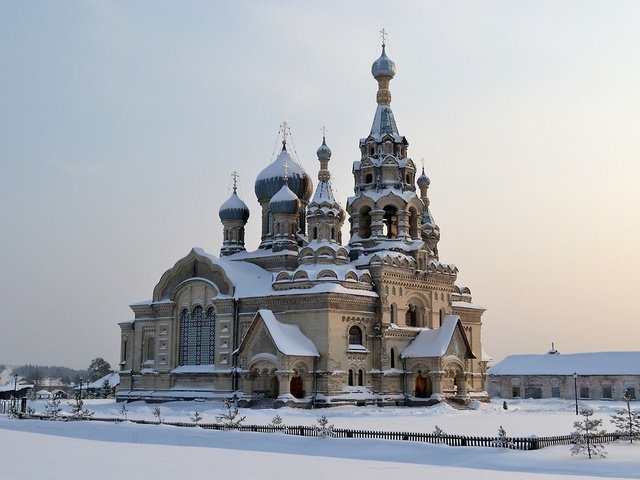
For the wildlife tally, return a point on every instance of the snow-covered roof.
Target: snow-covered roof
(113, 378)
(469, 305)
(593, 363)
(288, 339)
(10, 387)
(432, 343)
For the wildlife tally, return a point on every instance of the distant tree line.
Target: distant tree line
(98, 368)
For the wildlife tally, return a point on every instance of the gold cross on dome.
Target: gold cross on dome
(324, 131)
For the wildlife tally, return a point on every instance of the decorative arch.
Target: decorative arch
(355, 335)
(195, 265)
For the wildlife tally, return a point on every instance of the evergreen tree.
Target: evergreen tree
(105, 390)
(52, 409)
(627, 421)
(586, 435)
(78, 411)
(158, 414)
(196, 417)
(323, 428)
(124, 411)
(439, 434)
(230, 418)
(502, 441)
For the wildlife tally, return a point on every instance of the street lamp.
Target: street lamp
(575, 389)
(15, 390)
(80, 391)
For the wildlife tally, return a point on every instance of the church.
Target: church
(307, 319)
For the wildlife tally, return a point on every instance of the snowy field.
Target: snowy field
(56, 450)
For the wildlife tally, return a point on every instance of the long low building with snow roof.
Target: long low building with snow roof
(585, 376)
(306, 319)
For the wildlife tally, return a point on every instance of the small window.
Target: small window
(555, 392)
(368, 178)
(315, 233)
(607, 392)
(151, 348)
(360, 377)
(584, 391)
(515, 392)
(533, 392)
(394, 313)
(355, 336)
(630, 393)
(393, 358)
(350, 378)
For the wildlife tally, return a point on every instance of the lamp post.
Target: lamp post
(80, 391)
(575, 389)
(15, 390)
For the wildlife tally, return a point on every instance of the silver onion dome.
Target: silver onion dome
(234, 209)
(271, 179)
(423, 180)
(284, 201)
(324, 151)
(383, 66)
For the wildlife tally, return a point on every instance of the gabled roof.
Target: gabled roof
(288, 339)
(434, 343)
(594, 363)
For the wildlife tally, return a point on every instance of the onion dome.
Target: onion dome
(423, 180)
(234, 209)
(383, 66)
(324, 151)
(284, 201)
(271, 179)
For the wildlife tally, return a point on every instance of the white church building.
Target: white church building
(308, 319)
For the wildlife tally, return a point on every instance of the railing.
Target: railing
(514, 443)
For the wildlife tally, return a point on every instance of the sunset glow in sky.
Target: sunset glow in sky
(121, 122)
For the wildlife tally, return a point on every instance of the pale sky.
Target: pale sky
(121, 121)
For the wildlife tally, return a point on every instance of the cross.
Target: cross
(324, 131)
(422, 160)
(235, 176)
(284, 126)
(384, 35)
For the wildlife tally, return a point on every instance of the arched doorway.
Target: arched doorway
(296, 387)
(423, 387)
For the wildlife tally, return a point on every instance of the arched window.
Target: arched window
(411, 319)
(197, 337)
(413, 223)
(393, 358)
(365, 222)
(394, 313)
(368, 178)
(151, 348)
(442, 315)
(350, 381)
(333, 233)
(315, 233)
(355, 336)
(390, 221)
(360, 377)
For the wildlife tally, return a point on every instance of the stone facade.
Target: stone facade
(305, 319)
(585, 376)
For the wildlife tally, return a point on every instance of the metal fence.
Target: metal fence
(514, 443)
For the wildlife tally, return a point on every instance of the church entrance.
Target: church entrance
(296, 387)
(423, 386)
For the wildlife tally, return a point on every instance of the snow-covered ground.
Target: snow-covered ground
(56, 450)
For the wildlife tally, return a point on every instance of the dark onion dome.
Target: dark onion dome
(324, 151)
(234, 209)
(383, 66)
(423, 180)
(284, 201)
(271, 179)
